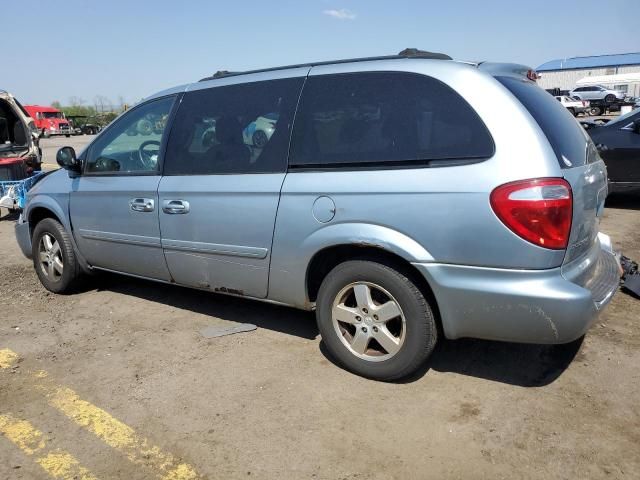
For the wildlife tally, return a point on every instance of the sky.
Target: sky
(127, 50)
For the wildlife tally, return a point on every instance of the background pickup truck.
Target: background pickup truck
(573, 105)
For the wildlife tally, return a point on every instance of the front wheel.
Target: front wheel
(610, 98)
(375, 321)
(53, 257)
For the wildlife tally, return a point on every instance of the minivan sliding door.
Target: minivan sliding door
(224, 167)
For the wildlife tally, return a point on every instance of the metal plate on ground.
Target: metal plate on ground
(213, 331)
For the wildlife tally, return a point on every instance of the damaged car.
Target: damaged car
(403, 199)
(20, 154)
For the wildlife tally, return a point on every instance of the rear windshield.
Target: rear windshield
(566, 136)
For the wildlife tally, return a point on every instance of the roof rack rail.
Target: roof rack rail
(406, 53)
(417, 53)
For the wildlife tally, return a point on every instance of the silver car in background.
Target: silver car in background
(402, 198)
(597, 92)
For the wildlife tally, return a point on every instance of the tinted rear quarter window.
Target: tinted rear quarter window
(385, 118)
(566, 136)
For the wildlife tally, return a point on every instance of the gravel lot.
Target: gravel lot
(151, 397)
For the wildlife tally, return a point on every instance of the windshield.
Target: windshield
(622, 120)
(52, 115)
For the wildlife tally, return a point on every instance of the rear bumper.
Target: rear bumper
(527, 306)
(23, 236)
(619, 187)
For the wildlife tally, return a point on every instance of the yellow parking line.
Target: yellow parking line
(118, 435)
(107, 428)
(57, 463)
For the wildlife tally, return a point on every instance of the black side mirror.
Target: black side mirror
(636, 125)
(66, 158)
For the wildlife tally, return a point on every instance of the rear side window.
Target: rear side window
(237, 129)
(566, 136)
(385, 118)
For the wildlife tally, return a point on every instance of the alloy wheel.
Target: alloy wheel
(369, 321)
(50, 256)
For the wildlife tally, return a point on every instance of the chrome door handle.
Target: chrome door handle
(175, 206)
(142, 204)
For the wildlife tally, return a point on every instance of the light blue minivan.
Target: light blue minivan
(402, 198)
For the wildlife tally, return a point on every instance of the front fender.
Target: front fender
(51, 204)
(58, 204)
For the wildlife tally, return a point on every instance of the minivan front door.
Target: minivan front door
(225, 164)
(114, 203)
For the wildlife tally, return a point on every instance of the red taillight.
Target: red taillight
(537, 210)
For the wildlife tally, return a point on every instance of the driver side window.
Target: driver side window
(132, 144)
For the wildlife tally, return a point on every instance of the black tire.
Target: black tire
(572, 111)
(67, 136)
(610, 98)
(71, 268)
(595, 111)
(421, 331)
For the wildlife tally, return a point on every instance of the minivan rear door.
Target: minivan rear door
(577, 156)
(224, 167)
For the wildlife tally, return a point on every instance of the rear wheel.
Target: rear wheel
(53, 257)
(374, 320)
(572, 111)
(595, 110)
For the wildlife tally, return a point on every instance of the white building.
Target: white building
(565, 74)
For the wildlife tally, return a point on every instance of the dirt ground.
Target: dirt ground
(119, 380)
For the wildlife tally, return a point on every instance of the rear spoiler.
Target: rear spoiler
(509, 70)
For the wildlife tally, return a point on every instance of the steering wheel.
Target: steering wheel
(149, 158)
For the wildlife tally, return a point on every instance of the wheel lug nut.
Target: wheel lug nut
(375, 317)
(364, 329)
(364, 310)
(375, 329)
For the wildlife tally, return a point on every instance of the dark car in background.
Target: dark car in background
(618, 143)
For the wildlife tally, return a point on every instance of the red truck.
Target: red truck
(49, 121)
